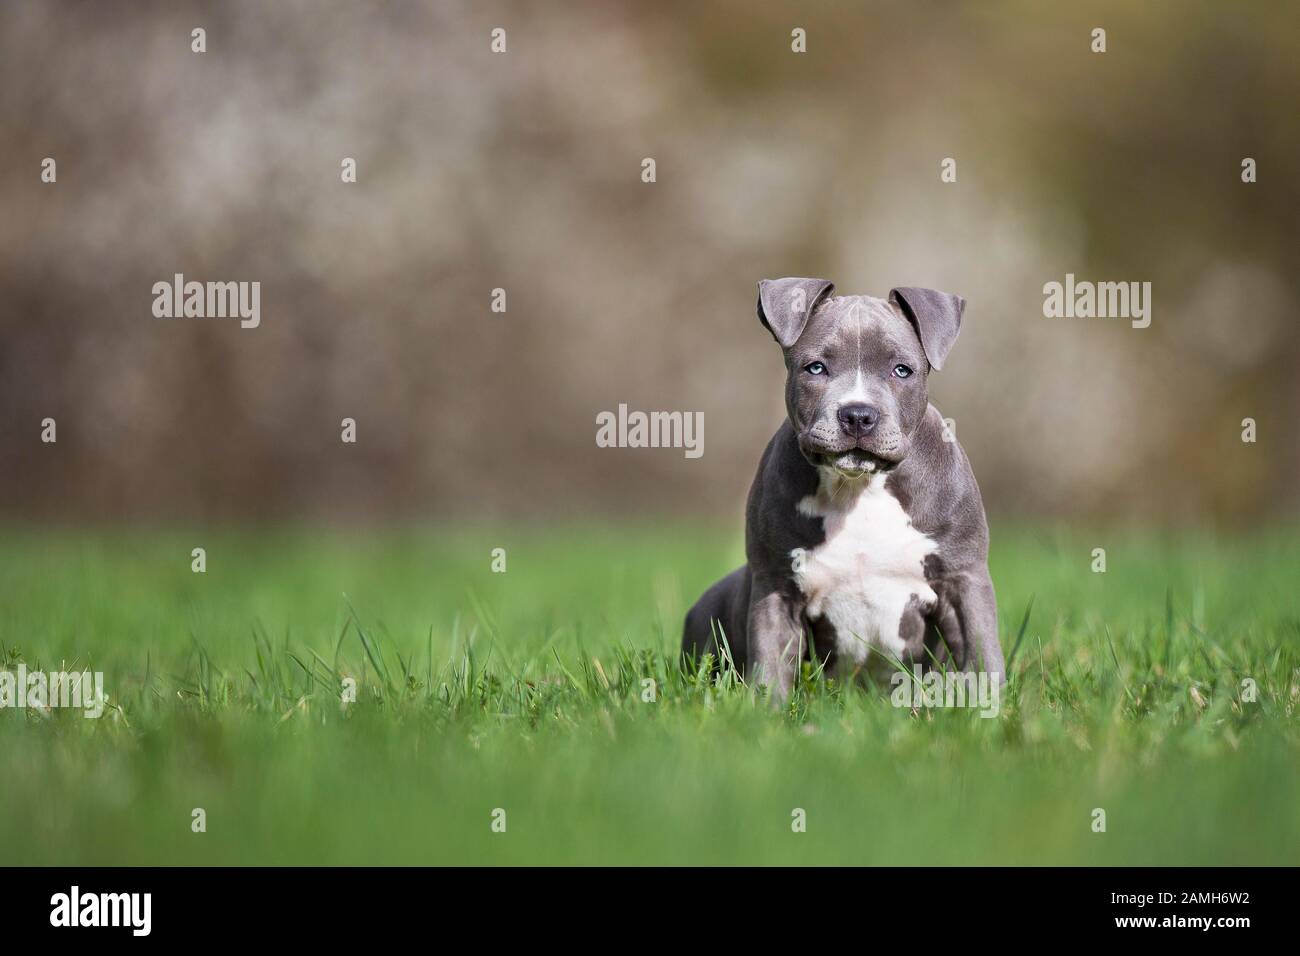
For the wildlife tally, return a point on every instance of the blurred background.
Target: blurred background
(523, 171)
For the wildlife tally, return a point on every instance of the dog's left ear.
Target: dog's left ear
(936, 316)
(785, 305)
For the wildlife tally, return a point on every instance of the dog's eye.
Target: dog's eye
(816, 368)
(902, 371)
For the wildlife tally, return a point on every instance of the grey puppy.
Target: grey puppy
(865, 531)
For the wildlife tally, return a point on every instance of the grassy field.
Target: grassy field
(524, 691)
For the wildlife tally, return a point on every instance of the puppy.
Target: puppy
(865, 533)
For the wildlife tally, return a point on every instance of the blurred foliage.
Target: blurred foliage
(522, 171)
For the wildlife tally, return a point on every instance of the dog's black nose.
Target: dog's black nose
(858, 419)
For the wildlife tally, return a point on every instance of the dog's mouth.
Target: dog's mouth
(855, 463)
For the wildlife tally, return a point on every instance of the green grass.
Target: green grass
(523, 691)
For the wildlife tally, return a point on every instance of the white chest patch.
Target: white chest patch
(870, 566)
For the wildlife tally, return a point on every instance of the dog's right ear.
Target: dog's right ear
(784, 305)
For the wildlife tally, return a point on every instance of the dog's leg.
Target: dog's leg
(776, 641)
(977, 617)
(962, 629)
(716, 624)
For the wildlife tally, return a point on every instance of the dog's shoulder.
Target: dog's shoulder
(774, 525)
(938, 490)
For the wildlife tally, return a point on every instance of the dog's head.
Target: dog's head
(857, 367)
